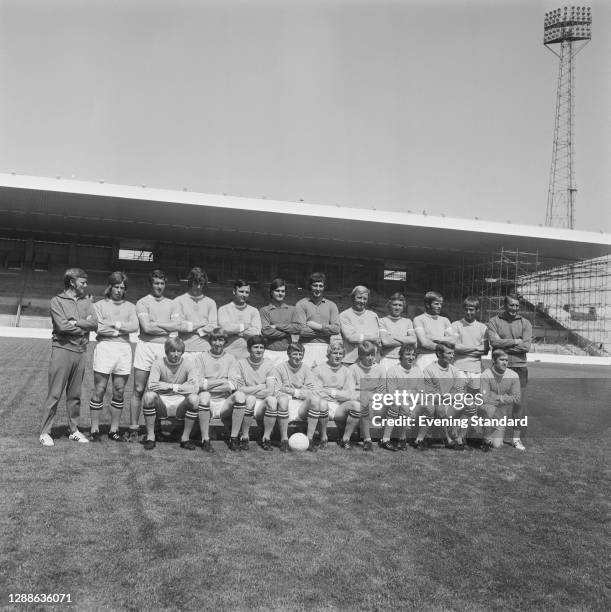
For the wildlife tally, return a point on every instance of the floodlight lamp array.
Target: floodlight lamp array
(567, 23)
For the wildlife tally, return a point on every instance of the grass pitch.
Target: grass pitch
(120, 528)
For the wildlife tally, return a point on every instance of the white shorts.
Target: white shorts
(388, 362)
(171, 401)
(219, 407)
(276, 357)
(332, 409)
(259, 408)
(113, 358)
(146, 353)
(295, 410)
(191, 356)
(315, 353)
(473, 379)
(425, 359)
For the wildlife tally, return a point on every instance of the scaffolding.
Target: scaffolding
(492, 280)
(575, 298)
(569, 306)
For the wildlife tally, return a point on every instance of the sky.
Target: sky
(444, 106)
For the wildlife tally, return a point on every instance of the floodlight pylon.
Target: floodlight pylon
(568, 28)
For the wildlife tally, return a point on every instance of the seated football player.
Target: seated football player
(500, 388)
(404, 376)
(332, 380)
(218, 397)
(254, 377)
(367, 378)
(395, 331)
(295, 393)
(171, 391)
(446, 383)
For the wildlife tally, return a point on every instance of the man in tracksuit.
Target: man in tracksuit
(73, 318)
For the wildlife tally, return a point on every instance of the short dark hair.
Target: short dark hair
(157, 274)
(216, 333)
(115, 278)
(255, 340)
(443, 344)
(197, 276)
(295, 346)
(317, 277)
(240, 283)
(407, 347)
(511, 296)
(367, 348)
(71, 274)
(275, 284)
(397, 297)
(497, 352)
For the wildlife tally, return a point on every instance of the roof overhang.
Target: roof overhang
(101, 212)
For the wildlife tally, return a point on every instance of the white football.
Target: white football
(298, 442)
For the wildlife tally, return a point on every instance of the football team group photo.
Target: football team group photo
(307, 362)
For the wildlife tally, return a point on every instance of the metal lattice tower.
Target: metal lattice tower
(570, 29)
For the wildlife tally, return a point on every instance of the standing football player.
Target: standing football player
(154, 313)
(359, 325)
(396, 331)
(471, 345)
(112, 357)
(279, 323)
(431, 328)
(239, 320)
(318, 319)
(195, 312)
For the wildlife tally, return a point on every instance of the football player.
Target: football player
(218, 397)
(195, 313)
(358, 324)
(318, 319)
(113, 353)
(396, 331)
(171, 391)
(254, 377)
(430, 328)
(295, 392)
(333, 386)
(279, 323)
(239, 320)
(154, 315)
(367, 379)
